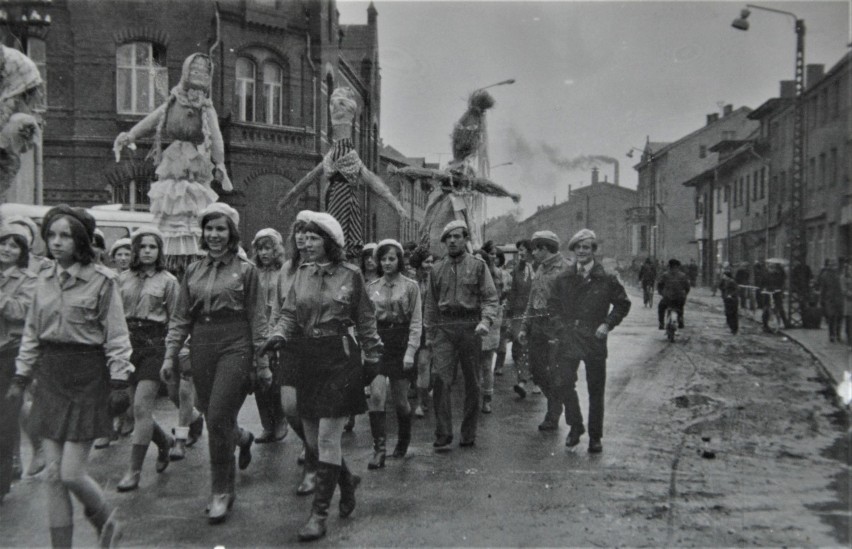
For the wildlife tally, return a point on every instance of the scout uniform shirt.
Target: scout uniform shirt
(17, 287)
(460, 286)
(323, 300)
(224, 285)
(538, 314)
(397, 301)
(79, 305)
(149, 295)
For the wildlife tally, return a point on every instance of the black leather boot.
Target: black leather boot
(309, 477)
(378, 427)
(327, 475)
(348, 484)
(403, 438)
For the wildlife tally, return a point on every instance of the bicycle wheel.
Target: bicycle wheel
(773, 323)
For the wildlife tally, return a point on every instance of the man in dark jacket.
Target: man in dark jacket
(590, 303)
(516, 303)
(774, 281)
(730, 297)
(673, 286)
(647, 278)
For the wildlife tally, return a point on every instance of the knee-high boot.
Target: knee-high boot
(348, 484)
(378, 427)
(327, 475)
(403, 438)
(309, 474)
(106, 523)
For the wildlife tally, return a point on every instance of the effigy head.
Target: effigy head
(20, 81)
(343, 107)
(197, 72)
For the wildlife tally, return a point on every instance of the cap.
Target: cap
(15, 228)
(549, 236)
(268, 232)
(220, 208)
(120, 243)
(24, 222)
(330, 225)
(582, 234)
(451, 226)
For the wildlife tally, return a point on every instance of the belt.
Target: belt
(381, 324)
(226, 315)
(144, 324)
(460, 313)
(577, 323)
(326, 332)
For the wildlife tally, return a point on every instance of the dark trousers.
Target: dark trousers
(665, 303)
(732, 313)
(543, 373)
(221, 359)
(454, 345)
(834, 323)
(8, 421)
(778, 304)
(596, 382)
(269, 401)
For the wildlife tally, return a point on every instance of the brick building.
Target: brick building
(600, 207)
(665, 207)
(109, 63)
(413, 197)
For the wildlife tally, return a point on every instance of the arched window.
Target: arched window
(142, 80)
(273, 93)
(245, 93)
(37, 51)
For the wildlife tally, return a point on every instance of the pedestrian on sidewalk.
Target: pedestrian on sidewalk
(846, 287)
(422, 261)
(540, 332)
(729, 289)
(590, 304)
(268, 248)
(76, 313)
(647, 279)
(399, 317)
(516, 304)
(17, 287)
(326, 302)
(461, 306)
(220, 305)
(288, 361)
(491, 341)
(831, 298)
(149, 297)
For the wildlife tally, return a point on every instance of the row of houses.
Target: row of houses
(108, 64)
(723, 193)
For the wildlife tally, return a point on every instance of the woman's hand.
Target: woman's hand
(263, 379)
(407, 364)
(167, 372)
(272, 342)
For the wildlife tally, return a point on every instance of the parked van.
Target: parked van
(114, 222)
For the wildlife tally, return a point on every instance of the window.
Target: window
(37, 51)
(702, 151)
(755, 183)
(835, 100)
(245, 93)
(832, 168)
(273, 93)
(727, 193)
(824, 106)
(822, 172)
(142, 80)
(811, 173)
(762, 182)
(719, 200)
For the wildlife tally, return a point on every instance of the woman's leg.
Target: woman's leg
(399, 393)
(75, 457)
(291, 414)
(60, 514)
(143, 407)
(424, 373)
(326, 433)
(378, 420)
(486, 373)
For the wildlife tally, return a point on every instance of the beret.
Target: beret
(451, 226)
(268, 232)
(389, 242)
(549, 236)
(142, 231)
(220, 208)
(25, 222)
(329, 224)
(582, 234)
(81, 215)
(120, 243)
(15, 228)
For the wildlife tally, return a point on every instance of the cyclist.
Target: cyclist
(773, 288)
(730, 290)
(673, 286)
(647, 277)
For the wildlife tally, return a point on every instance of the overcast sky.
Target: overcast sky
(592, 78)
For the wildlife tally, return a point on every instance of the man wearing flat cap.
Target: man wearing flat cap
(539, 331)
(461, 306)
(591, 302)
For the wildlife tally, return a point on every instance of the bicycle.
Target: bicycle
(672, 320)
(648, 295)
(772, 321)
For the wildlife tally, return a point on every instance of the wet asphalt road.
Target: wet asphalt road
(516, 487)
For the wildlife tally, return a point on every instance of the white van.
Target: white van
(114, 222)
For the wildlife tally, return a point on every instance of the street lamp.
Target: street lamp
(630, 152)
(503, 164)
(501, 83)
(796, 229)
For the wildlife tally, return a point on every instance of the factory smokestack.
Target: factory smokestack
(595, 175)
(615, 173)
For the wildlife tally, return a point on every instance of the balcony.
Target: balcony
(272, 138)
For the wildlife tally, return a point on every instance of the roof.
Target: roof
(769, 106)
(730, 160)
(389, 152)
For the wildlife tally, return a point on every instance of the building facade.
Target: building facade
(108, 64)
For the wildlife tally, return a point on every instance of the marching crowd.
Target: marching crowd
(316, 338)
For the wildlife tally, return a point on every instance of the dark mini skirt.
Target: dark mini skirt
(71, 393)
(329, 382)
(395, 341)
(149, 349)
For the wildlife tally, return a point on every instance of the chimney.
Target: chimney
(569, 192)
(615, 173)
(727, 109)
(788, 89)
(594, 175)
(712, 117)
(813, 74)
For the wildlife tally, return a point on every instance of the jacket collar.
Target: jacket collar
(224, 259)
(77, 271)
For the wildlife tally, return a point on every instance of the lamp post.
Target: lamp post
(796, 229)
